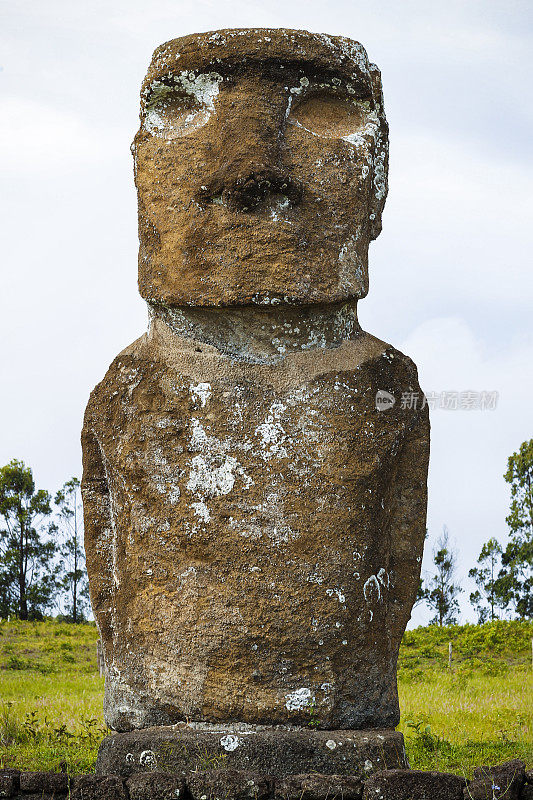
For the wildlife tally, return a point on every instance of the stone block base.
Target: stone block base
(275, 751)
(507, 781)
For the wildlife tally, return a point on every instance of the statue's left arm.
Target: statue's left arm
(408, 502)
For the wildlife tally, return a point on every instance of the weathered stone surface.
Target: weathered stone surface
(261, 169)
(217, 784)
(156, 786)
(406, 784)
(274, 752)
(42, 795)
(254, 522)
(319, 787)
(47, 782)
(500, 781)
(526, 793)
(9, 782)
(509, 771)
(92, 787)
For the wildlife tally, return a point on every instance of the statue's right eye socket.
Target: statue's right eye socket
(170, 112)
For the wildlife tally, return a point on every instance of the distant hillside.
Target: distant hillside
(489, 649)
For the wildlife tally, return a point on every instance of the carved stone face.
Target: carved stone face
(261, 169)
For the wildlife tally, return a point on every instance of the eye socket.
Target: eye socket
(181, 103)
(329, 115)
(170, 112)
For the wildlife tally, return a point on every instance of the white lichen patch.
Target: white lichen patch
(162, 475)
(199, 439)
(202, 511)
(367, 135)
(281, 534)
(230, 742)
(274, 524)
(383, 576)
(338, 593)
(201, 392)
(279, 206)
(188, 572)
(272, 433)
(299, 700)
(213, 472)
(148, 760)
(315, 340)
(210, 480)
(372, 589)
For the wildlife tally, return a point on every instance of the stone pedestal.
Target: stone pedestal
(274, 751)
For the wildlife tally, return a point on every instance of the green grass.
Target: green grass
(479, 712)
(50, 696)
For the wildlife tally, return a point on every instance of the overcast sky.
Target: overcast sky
(450, 276)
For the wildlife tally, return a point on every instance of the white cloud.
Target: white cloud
(469, 449)
(470, 215)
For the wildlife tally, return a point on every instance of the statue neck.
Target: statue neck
(258, 335)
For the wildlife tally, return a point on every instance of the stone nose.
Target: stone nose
(247, 152)
(248, 191)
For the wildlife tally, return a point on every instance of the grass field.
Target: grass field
(479, 712)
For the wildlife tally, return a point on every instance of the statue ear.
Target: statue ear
(381, 157)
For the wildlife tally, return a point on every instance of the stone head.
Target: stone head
(261, 169)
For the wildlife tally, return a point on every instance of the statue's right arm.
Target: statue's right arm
(99, 527)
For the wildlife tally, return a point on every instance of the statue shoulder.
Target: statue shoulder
(388, 359)
(123, 373)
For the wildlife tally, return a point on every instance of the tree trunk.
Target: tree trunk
(75, 583)
(23, 603)
(74, 596)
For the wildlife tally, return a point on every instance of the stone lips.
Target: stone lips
(261, 169)
(253, 533)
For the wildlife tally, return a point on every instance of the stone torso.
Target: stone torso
(249, 543)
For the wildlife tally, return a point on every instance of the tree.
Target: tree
(71, 523)
(515, 580)
(441, 592)
(27, 580)
(421, 592)
(485, 577)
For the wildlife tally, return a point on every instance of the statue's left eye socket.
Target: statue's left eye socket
(329, 115)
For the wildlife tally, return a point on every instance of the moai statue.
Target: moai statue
(254, 515)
